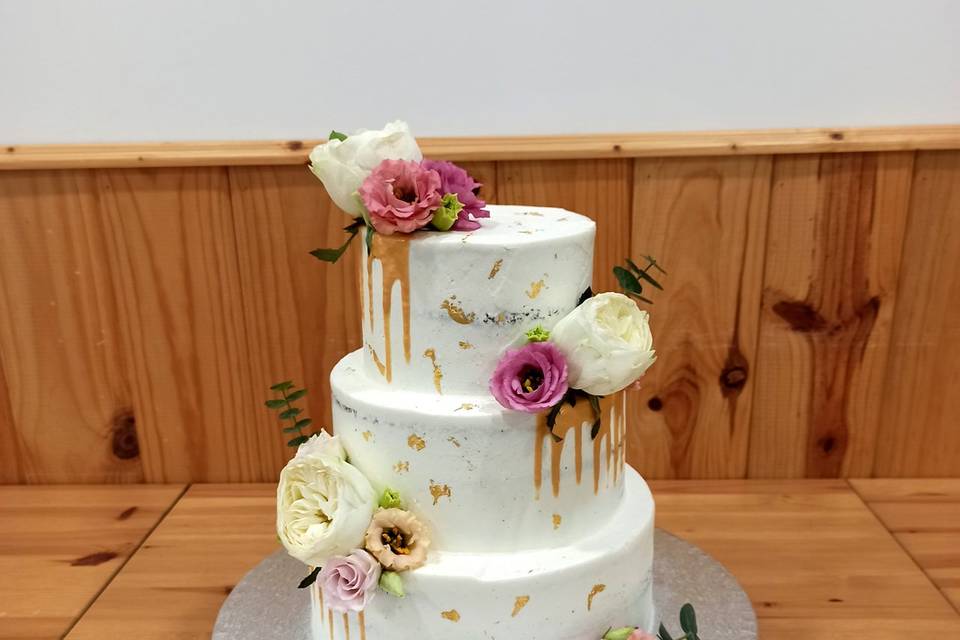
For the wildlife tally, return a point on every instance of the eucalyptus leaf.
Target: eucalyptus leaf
(332, 255)
(586, 295)
(637, 296)
(276, 403)
(369, 239)
(296, 395)
(552, 415)
(303, 423)
(296, 442)
(292, 429)
(664, 634)
(688, 620)
(653, 263)
(641, 273)
(627, 281)
(292, 412)
(310, 579)
(282, 386)
(336, 135)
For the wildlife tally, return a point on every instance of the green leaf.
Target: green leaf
(552, 415)
(303, 423)
(282, 386)
(586, 295)
(336, 135)
(292, 429)
(296, 395)
(653, 263)
(643, 274)
(310, 579)
(277, 403)
(664, 634)
(332, 255)
(637, 296)
(296, 442)
(688, 620)
(292, 412)
(628, 281)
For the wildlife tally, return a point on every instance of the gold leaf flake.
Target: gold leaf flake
(466, 406)
(453, 615)
(519, 604)
(597, 588)
(556, 521)
(495, 269)
(535, 289)
(454, 441)
(367, 435)
(416, 442)
(465, 345)
(456, 312)
(438, 491)
(402, 466)
(501, 318)
(437, 373)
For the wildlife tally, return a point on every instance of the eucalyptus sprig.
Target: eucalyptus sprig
(289, 413)
(688, 622)
(630, 276)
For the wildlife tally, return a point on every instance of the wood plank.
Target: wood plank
(487, 148)
(174, 586)
(924, 515)
(921, 403)
(60, 545)
(705, 219)
(596, 188)
(812, 557)
(63, 385)
(175, 266)
(830, 293)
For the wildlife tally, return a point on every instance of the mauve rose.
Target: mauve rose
(349, 582)
(401, 195)
(454, 179)
(530, 379)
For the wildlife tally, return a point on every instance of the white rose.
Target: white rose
(324, 503)
(607, 343)
(342, 165)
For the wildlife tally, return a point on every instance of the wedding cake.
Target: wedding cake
(476, 486)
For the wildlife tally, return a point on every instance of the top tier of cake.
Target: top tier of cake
(439, 309)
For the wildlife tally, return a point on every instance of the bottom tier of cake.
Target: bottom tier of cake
(575, 592)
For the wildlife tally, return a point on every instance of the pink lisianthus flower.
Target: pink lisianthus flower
(349, 582)
(400, 195)
(640, 634)
(530, 379)
(454, 179)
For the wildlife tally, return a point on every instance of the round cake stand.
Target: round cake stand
(266, 604)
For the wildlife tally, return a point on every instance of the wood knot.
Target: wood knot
(655, 404)
(827, 443)
(733, 378)
(125, 444)
(94, 559)
(836, 135)
(11, 149)
(294, 145)
(801, 317)
(126, 513)
(617, 148)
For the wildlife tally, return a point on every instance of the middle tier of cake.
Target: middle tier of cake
(483, 478)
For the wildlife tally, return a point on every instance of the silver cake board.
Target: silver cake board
(265, 603)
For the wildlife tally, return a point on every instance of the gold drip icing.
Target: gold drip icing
(438, 491)
(319, 593)
(535, 289)
(495, 269)
(367, 435)
(330, 622)
(556, 521)
(363, 625)
(453, 615)
(393, 252)
(597, 588)
(456, 312)
(465, 345)
(519, 604)
(573, 419)
(377, 361)
(402, 466)
(431, 354)
(416, 442)
(346, 627)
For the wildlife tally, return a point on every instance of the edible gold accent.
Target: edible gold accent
(367, 435)
(466, 406)
(501, 318)
(453, 615)
(377, 361)
(612, 426)
(456, 312)
(465, 345)
(438, 491)
(393, 252)
(454, 442)
(495, 269)
(416, 442)
(437, 373)
(402, 466)
(519, 604)
(535, 289)
(556, 521)
(597, 588)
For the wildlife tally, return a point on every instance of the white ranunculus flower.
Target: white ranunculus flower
(342, 165)
(324, 503)
(607, 343)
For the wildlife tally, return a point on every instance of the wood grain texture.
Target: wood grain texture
(490, 148)
(829, 298)
(60, 545)
(596, 188)
(174, 586)
(812, 557)
(63, 366)
(919, 434)
(924, 515)
(705, 219)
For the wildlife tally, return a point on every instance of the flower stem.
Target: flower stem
(292, 419)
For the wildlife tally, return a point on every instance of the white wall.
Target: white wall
(116, 70)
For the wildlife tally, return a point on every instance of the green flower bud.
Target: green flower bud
(619, 634)
(390, 499)
(538, 334)
(446, 215)
(392, 583)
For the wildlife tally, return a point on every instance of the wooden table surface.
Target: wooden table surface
(838, 560)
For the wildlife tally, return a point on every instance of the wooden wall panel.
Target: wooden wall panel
(920, 417)
(705, 219)
(64, 414)
(596, 188)
(829, 294)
